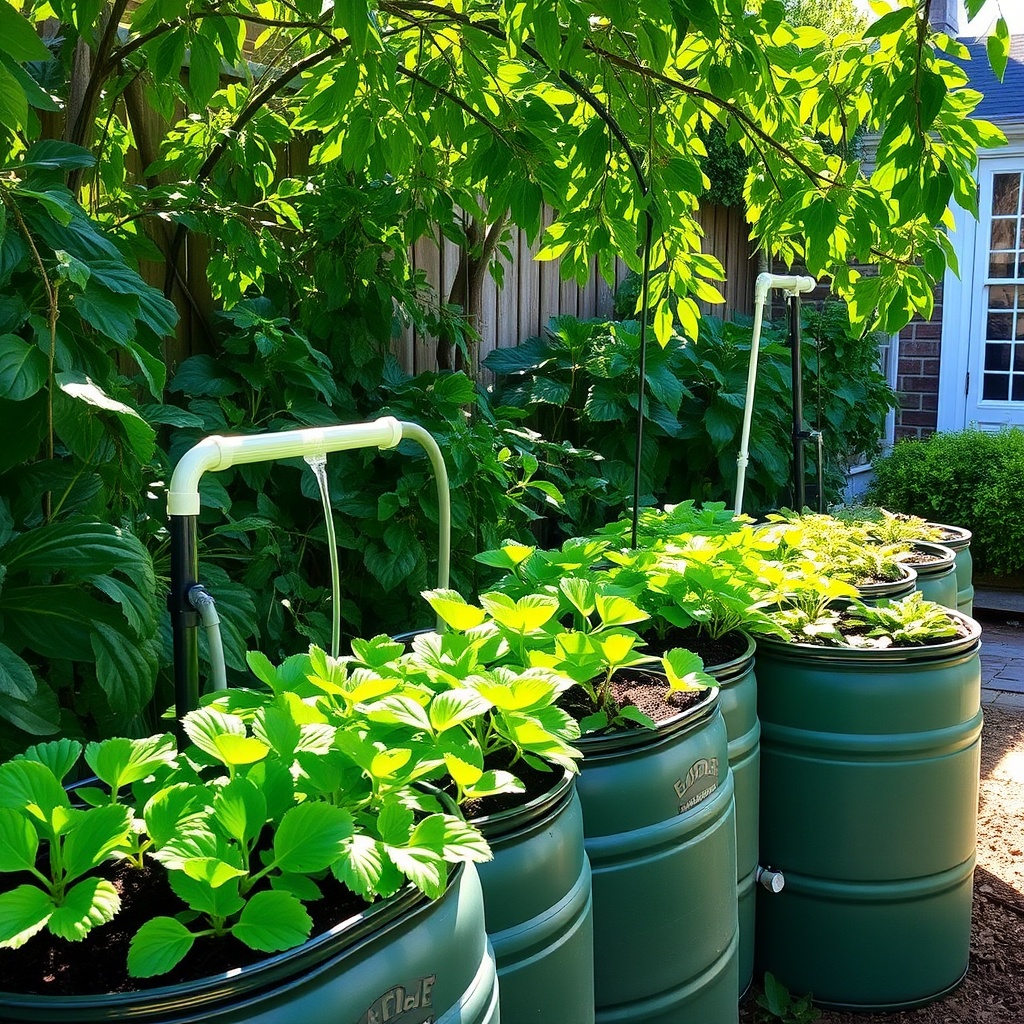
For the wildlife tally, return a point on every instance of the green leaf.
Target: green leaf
(310, 837)
(685, 670)
(453, 707)
(32, 786)
(360, 866)
(19, 841)
(998, 46)
(526, 615)
(121, 761)
(60, 756)
(111, 313)
(223, 737)
(158, 946)
(203, 69)
(96, 833)
(125, 668)
(394, 822)
(201, 855)
(353, 16)
(23, 368)
(424, 868)
(18, 36)
(302, 887)
(454, 609)
(222, 901)
(80, 547)
(272, 921)
(171, 809)
(16, 677)
(241, 810)
(94, 901)
(54, 155)
(141, 436)
(23, 912)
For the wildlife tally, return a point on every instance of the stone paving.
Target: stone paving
(1002, 661)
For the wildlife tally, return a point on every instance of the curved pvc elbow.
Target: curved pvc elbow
(792, 284)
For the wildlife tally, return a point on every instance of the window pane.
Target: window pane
(1000, 328)
(1018, 358)
(1002, 264)
(1005, 193)
(997, 357)
(1004, 233)
(1018, 388)
(996, 387)
(1000, 296)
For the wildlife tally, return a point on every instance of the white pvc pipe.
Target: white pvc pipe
(791, 285)
(216, 453)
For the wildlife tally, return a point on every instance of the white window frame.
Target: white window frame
(959, 307)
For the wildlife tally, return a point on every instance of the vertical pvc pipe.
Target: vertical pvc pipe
(184, 617)
(799, 484)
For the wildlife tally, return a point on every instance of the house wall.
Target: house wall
(917, 375)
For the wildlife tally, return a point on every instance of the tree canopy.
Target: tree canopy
(596, 108)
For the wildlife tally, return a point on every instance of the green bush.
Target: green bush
(967, 478)
(578, 384)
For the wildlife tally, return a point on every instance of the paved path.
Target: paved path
(1002, 662)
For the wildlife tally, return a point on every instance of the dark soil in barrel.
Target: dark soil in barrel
(993, 991)
(96, 965)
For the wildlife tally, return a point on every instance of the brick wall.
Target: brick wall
(917, 375)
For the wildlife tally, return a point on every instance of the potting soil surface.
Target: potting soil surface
(993, 991)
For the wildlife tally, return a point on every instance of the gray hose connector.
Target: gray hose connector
(773, 881)
(202, 600)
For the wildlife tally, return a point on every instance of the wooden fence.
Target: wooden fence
(532, 292)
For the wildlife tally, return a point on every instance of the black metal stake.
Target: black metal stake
(184, 618)
(799, 433)
(644, 293)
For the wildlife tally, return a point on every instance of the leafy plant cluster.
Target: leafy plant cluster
(311, 777)
(969, 478)
(706, 571)
(579, 384)
(847, 549)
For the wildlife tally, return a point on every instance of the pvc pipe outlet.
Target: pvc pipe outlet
(791, 285)
(216, 453)
(773, 881)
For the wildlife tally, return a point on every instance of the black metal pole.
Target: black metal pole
(184, 618)
(799, 434)
(645, 284)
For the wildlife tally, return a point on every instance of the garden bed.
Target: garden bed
(993, 991)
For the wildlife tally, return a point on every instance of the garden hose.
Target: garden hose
(202, 600)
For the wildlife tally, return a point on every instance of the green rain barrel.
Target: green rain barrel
(936, 579)
(869, 797)
(738, 702)
(958, 540)
(538, 905)
(405, 961)
(660, 825)
(890, 590)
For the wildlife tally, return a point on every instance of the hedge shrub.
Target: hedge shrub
(969, 478)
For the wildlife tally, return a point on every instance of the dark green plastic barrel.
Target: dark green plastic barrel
(869, 795)
(660, 824)
(538, 905)
(738, 702)
(936, 580)
(958, 540)
(408, 959)
(889, 590)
